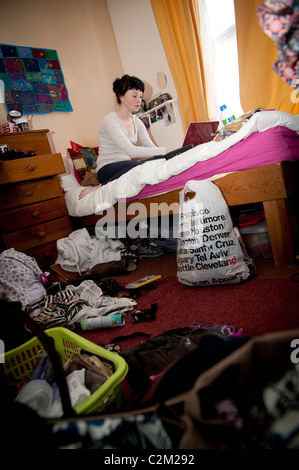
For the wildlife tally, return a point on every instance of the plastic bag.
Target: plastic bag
(209, 251)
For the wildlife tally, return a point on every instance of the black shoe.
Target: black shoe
(148, 251)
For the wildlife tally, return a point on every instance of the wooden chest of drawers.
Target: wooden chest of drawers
(33, 214)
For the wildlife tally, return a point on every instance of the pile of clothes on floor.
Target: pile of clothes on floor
(21, 280)
(80, 251)
(59, 304)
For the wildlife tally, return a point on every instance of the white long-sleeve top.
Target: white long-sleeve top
(116, 145)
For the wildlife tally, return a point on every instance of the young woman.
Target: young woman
(120, 131)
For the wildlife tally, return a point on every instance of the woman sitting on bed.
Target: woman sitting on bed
(120, 131)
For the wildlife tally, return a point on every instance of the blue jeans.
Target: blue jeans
(112, 171)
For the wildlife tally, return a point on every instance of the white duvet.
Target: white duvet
(153, 172)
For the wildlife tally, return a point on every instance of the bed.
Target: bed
(259, 163)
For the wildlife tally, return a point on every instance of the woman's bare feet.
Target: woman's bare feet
(87, 190)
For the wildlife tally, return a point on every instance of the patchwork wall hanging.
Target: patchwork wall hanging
(33, 80)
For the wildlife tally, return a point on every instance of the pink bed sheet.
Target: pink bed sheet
(259, 149)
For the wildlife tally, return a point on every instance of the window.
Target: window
(218, 33)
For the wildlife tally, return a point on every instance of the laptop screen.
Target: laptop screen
(200, 132)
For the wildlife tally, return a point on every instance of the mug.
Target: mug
(22, 124)
(9, 127)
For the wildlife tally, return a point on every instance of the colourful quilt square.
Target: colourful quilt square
(48, 77)
(39, 87)
(30, 109)
(31, 65)
(63, 106)
(9, 51)
(33, 80)
(39, 53)
(27, 98)
(44, 65)
(14, 65)
(54, 65)
(11, 96)
(42, 98)
(59, 77)
(63, 92)
(33, 76)
(46, 107)
(20, 84)
(51, 54)
(24, 51)
(54, 92)
(17, 76)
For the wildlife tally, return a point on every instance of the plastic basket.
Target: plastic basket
(20, 362)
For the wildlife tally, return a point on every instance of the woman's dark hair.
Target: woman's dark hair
(125, 83)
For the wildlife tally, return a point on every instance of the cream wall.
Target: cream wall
(139, 43)
(82, 34)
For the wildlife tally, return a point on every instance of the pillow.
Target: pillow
(78, 146)
(85, 162)
(68, 164)
(68, 182)
(68, 179)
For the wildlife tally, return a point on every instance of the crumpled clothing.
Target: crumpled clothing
(270, 420)
(70, 306)
(282, 403)
(142, 431)
(280, 21)
(88, 290)
(250, 420)
(20, 278)
(79, 252)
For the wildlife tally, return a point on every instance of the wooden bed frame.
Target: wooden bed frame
(276, 186)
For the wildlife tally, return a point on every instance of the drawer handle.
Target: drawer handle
(31, 167)
(29, 193)
(41, 235)
(35, 214)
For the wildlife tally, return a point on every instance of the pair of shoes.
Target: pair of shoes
(149, 251)
(109, 287)
(144, 315)
(143, 250)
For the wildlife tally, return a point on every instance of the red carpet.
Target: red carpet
(256, 306)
